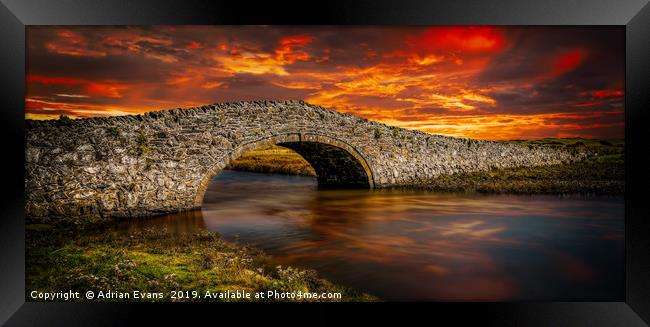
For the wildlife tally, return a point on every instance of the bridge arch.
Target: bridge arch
(163, 161)
(337, 163)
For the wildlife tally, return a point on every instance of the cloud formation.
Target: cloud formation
(479, 82)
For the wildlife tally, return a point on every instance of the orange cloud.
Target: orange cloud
(194, 45)
(426, 60)
(462, 81)
(233, 59)
(139, 44)
(288, 50)
(109, 89)
(72, 44)
(46, 109)
(509, 126)
(212, 85)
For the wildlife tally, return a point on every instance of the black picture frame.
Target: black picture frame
(633, 14)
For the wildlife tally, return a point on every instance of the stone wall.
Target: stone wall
(163, 161)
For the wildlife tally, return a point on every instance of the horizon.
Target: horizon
(487, 82)
(261, 100)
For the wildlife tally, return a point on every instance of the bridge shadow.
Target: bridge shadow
(334, 166)
(175, 223)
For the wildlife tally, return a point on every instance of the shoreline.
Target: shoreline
(93, 257)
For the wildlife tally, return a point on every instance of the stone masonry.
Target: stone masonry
(163, 161)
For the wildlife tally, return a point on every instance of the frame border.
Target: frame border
(634, 14)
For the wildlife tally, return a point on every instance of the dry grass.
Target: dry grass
(274, 160)
(602, 172)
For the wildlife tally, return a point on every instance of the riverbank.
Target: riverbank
(601, 173)
(592, 177)
(92, 257)
(273, 160)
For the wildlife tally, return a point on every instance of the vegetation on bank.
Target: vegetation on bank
(602, 172)
(93, 258)
(275, 160)
(592, 146)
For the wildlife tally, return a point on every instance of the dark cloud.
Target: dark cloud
(465, 81)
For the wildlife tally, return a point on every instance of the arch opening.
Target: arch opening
(335, 167)
(337, 164)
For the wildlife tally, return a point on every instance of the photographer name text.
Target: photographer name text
(180, 295)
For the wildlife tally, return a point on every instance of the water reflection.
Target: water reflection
(179, 223)
(422, 246)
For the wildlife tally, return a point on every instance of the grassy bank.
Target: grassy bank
(601, 173)
(92, 258)
(601, 177)
(275, 160)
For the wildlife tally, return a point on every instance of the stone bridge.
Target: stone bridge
(163, 161)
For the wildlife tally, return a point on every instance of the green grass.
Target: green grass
(141, 147)
(274, 160)
(153, 260)
(113, 131)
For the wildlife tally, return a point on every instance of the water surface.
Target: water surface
(409, 245)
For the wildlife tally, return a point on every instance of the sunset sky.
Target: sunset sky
(477, 82)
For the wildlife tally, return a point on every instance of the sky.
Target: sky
(483, 82)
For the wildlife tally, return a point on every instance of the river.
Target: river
(416, 245)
